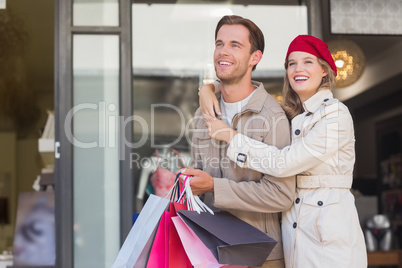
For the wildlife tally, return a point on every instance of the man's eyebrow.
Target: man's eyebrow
(236, 42)
(232, 42)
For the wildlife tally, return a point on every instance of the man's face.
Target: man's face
(232, 58)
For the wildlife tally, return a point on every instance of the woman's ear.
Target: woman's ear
(325, 71)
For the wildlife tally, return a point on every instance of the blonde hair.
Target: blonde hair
(292, 104)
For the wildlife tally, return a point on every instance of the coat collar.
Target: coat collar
(256, 103)
(313, 103)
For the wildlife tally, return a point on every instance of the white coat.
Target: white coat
(321, 230)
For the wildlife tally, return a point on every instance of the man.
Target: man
(251, 196)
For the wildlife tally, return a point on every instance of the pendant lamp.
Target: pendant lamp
(349, 60)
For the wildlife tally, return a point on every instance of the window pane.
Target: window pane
(173, 46)
(179, 39)
(96, 163)
(96, 13)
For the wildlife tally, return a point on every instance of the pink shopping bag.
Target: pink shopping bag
(177, 254)
(167, 250)
(159, 255)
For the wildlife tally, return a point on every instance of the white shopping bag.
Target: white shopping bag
(138, 243)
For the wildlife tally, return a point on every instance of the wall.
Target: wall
(29, 164)
(375, 105)
(19, 151)
(379, 69)
(38, 20)
(8, 168)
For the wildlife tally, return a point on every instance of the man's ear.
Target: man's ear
(255, 57)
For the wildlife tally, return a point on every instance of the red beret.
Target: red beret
(314, 46)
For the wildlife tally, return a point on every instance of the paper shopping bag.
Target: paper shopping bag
(230, 240)
(196, 251)
(159, 255)
(177, 254)
(199, 255)
(137, 245)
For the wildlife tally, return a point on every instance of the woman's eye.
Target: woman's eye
(291, 64)
(35, 228)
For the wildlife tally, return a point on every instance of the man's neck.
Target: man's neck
(236, 92)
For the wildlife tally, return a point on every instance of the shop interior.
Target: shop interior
(27, 97)
(27, 56)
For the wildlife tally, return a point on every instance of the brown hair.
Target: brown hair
(292, 104)
(256, 36)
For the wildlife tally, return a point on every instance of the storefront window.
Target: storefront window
(95, 13)
(95, 138)
(173, 47)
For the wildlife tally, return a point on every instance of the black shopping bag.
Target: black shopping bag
(231, 240)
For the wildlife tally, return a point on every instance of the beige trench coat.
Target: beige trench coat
(252, 196)
(322, 228)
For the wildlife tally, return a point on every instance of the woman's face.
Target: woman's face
(305, 74)
(34, 242)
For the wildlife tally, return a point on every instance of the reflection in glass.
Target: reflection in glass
(96, 13)
(173, 46)
(178, 39)
(95, 138)
(35, 237)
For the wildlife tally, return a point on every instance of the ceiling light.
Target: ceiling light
(349, 60)
(339, 63)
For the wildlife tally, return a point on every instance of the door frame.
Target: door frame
(64, 169)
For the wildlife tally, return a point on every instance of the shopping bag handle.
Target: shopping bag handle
(176, 191)
(182, 193)
(193, 202)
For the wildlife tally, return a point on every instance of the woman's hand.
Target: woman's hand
(209, 104)
(219, 130)
(200, 183)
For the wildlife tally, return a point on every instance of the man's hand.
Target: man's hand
(219, 130)
(201, 182)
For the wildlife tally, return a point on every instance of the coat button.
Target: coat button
(326, 100)
(297, 131)
(297, 200)
(320, 203)
(309, 113)
(294, 225)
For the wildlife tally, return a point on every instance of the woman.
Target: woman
(322, 227)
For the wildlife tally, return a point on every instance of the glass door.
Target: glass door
(93, 185)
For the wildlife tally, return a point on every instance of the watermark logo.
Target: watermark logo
(98, 125)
